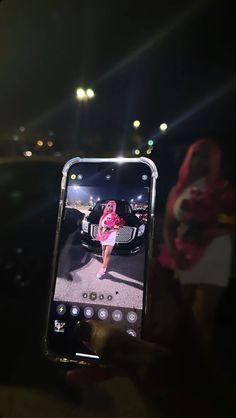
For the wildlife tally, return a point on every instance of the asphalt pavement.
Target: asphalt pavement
(123, 281)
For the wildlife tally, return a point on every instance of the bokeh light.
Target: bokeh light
(80, 93)
(163, 127)
(136, 123)
(27, 154)
(90, 93)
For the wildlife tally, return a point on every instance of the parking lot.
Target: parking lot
(123, 281)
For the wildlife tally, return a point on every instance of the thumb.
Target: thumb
(136, 358)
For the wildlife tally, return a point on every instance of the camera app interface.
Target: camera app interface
(102, 251)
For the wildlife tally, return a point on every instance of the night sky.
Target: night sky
(84, 194)
(157, 61)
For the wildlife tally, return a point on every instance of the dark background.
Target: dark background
(159, 61)
(156, 61)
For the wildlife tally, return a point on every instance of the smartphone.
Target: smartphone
(102, 250)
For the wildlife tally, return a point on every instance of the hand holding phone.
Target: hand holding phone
(170, 367)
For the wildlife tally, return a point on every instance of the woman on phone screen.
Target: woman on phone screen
(107, 231)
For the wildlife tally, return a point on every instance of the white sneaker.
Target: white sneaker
(101, 273)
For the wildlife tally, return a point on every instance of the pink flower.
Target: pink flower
(114, 221)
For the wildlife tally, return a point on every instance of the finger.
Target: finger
(127, 355)
(88, 375)
(119, 352)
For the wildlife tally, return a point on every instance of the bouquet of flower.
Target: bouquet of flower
(204, 215)
(112, 222)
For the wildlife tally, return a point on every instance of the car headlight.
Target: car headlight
(141, 230)
(85, 225)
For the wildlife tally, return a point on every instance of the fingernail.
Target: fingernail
(83, 331)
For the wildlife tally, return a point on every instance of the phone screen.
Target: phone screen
(102, 252)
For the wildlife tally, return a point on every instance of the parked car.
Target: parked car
(129, 238)
(72, 221)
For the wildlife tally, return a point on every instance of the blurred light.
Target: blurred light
(136, 123)
(90, 93)
(98, 198)
(50, 143)
(144, 177)
(149, 151)
(15, 138)
(108, 176)
(131, 200)
(19, 250)
(140, 197)
(80, 93)
(39, 142)
(163, 126)
(137, 151)
(73, 176)
(27, 154)
(80, 176)
(120, 159)
(91, 197)
(21, 128)
(76, 187)
(150, 142)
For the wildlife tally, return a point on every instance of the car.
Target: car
(72, 221)
(130, 238)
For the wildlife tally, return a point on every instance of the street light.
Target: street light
(83, 94)
(90, 93)
(136, 123)
(80, 94)
(163, 127)
(27, 154)
(137, 151)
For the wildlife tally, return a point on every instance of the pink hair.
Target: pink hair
(213, 177)
(106, 211)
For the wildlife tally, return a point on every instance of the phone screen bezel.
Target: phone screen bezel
(65, 178)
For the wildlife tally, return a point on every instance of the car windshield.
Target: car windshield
(122, 207)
